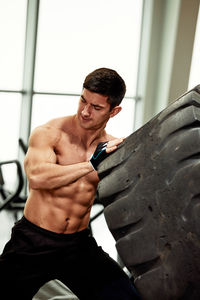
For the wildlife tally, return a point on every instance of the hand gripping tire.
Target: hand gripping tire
(150, 188)
(99, 155)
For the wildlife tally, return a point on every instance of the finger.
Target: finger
(115, 142)
(110, 149)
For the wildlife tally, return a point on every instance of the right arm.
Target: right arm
(41, 166)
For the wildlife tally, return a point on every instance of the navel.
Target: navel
(67, 223)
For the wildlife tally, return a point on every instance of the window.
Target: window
(47, 107)
(73, 42)
(9, 124)
(76, 37)
(12, 32)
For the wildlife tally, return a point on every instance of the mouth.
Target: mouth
(85, 119)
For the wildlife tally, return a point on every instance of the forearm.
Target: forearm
(50, 176)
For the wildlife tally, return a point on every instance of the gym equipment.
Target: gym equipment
(23, 146)
(151, 193)
(10, 199)
(55, 290)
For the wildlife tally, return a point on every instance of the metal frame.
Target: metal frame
(29, 67)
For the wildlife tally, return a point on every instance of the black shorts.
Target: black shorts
(34, 256)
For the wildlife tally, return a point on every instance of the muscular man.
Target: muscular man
(52, 240)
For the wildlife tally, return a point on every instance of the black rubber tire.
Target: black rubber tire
(150, 188)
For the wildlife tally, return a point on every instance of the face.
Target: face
(94, 110)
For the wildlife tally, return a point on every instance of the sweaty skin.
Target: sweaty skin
(62, 181)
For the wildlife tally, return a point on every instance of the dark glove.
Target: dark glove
(99, 154)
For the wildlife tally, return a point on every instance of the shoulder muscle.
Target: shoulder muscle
(42, 143)
(44, 136)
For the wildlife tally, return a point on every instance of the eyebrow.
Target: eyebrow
(83, 97)
(95, 105)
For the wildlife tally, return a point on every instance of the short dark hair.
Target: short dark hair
(106, 82)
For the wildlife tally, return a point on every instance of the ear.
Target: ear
(115, 111)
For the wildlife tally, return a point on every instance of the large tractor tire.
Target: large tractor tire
(150, 188)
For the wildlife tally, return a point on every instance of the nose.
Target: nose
(86, 111)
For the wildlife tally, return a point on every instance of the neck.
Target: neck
(88, 136)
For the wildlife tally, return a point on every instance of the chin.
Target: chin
(85, 125)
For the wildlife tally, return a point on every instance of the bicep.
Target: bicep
(40, 151)
(40, 155)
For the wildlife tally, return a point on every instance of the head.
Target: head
(106, 82)
(103, 91)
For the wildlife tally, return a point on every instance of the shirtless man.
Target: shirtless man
(52, 240)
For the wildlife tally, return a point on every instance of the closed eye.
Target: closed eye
(82, 99)
(96, 107)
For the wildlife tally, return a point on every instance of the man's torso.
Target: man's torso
(65, 209)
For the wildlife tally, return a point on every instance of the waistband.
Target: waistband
(65, 236)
